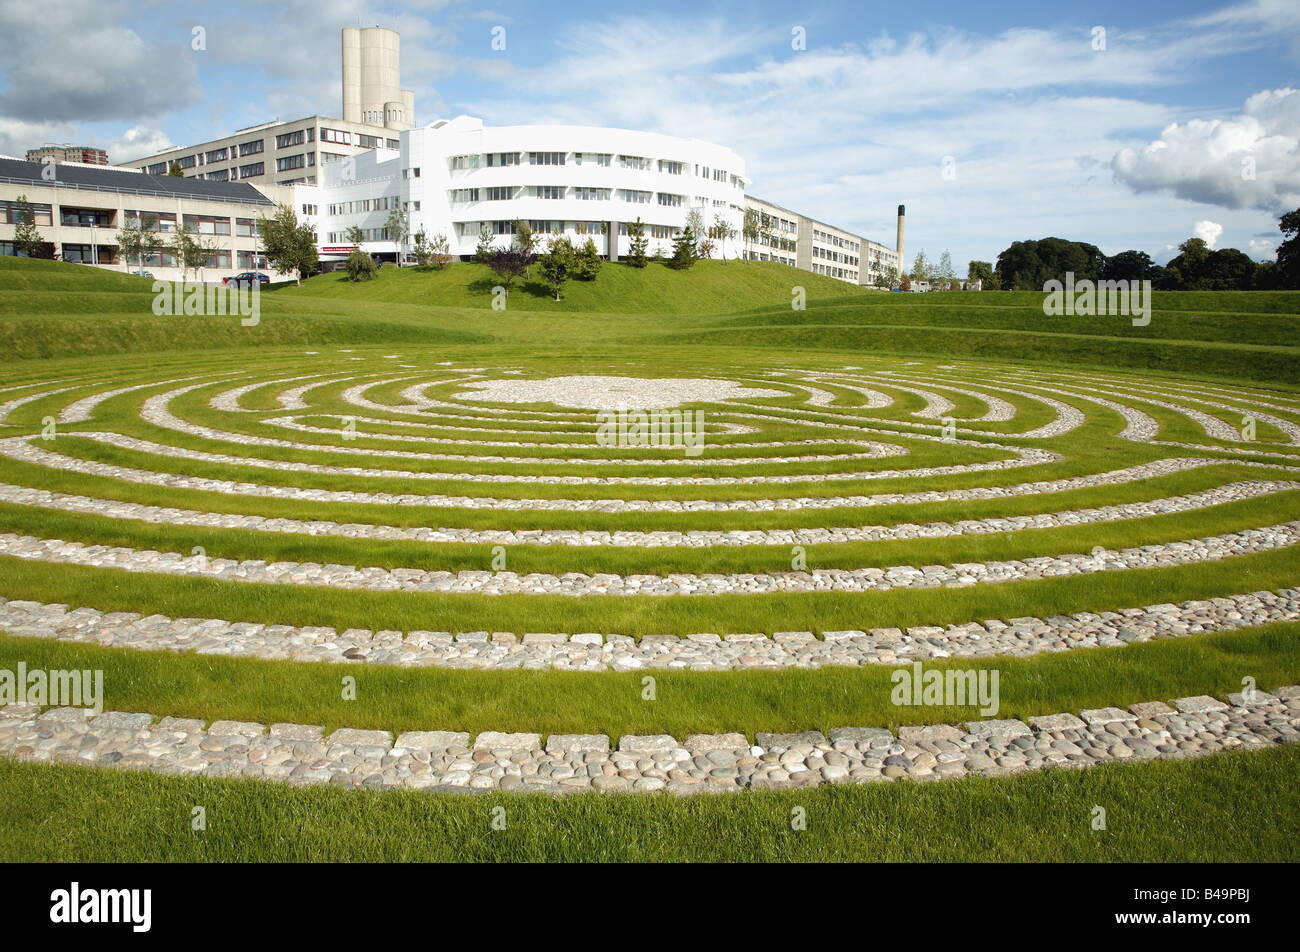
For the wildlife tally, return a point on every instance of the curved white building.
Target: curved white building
(455, 176)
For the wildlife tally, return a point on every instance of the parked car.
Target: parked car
(142, 274)
(247, 277)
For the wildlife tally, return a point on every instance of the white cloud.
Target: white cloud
(1207, 231)
(1247, 161)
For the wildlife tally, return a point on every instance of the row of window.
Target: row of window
(41, 214)
(382, 204)
(501, 193)
(837, 256)
(836, 240)
(286, 140)
(637, 163)
(367, 234)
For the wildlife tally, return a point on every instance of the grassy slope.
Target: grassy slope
(65, 813)
(715, 315)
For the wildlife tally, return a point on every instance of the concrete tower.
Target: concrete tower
(898, 244)
(372, 79)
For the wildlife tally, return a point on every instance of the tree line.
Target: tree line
(1029, 265)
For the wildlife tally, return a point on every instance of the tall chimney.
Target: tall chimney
(902, 263)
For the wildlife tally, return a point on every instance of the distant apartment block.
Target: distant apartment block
(84, 154)
(789, 237)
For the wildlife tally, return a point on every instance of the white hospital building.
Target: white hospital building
(454, 177)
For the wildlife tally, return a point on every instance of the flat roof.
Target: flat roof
(98, 178)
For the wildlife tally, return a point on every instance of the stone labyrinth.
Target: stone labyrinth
(821, 505)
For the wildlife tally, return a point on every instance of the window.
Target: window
(410, 173)
(672, 201)
(634, 162)
(547, 227)
(207, 224)
(246, 227)
(501, 158)
(187, 161)
(335, 136)
(248, 171)
(327, 157)
(592, 158)
(369, 142)
(394, 143)
(218, 155)
(545, 158)
(662, 231)
(288, 162)
(290, 139)
(247, 261)
(548, 191)
(502, 227)
(81, 217)
(309, 209)
(630, 195)
(221, 175)
(311, 134)
(217, 259)
(41, 214)
(158, 168)
(591, 194)
(250, 148)
(499, 193)
(672, 168)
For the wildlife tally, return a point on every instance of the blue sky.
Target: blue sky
(992, 123)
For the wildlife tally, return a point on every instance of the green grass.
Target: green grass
(687, 702)
(735, 320)
(1171, 811)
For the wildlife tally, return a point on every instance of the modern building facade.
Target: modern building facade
(802, 242)
(458, 177)
(83, 154)
(78, 214)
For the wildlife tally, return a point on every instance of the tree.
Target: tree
(636, 243)
(27, 240)
(904, 282)
(289, 246)
(1029, 265)
(509, 264)
(361, 267)
(1127, 266)
(423, 253)
(920, 267)
(527, 241)
(981, 271)
(707, 247)
(1288, 252)
(944, 273)
(355, 236)
(887, 277)
(440, 251)
(695, 223)
(399, 229)
(174, 170)
(187, 249)
(722, 232)
(587, 261)
(684, 250)
(135, 239)
(557, 265)
(750, 228)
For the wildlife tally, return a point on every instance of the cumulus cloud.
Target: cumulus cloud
(72, 61)
(1207, 231)
(1251, 160)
